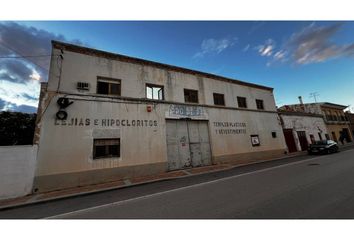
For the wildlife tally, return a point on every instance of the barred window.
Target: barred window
(106, 148)
(241, 101)
(190, 96)
(259, 104)
(219, 99)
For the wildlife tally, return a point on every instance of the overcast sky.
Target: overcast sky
(295, 58)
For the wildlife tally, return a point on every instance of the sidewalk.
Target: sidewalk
(66, 193)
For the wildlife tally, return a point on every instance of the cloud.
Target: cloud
(313, 44)
(15, 70)
(17, 93)
(280, 55)
(267, 48)
(2, 104)
(19, 77)
(29, 41)
(245, 49)
(6, 106)
(214, 46)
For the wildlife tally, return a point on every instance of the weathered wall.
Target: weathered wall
(79, 67)
(17, 169)
(66, 147)
(311, 125)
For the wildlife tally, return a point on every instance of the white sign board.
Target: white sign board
(185, 111)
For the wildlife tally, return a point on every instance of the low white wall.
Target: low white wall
(17, 168)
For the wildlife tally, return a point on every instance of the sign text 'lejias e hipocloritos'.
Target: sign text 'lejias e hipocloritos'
(106, 122)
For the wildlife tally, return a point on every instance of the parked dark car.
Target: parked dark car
(323, 146)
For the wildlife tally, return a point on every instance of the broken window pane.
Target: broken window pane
(154, 92)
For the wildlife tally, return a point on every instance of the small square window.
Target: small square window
(259, 104)
(274, 134)
(106, 148)
(154, 92)
(108, 86)
(190, 96)
(242, 103)
(219, 99)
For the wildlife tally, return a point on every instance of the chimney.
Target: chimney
(300, 99)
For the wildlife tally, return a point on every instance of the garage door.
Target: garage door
(188, 144)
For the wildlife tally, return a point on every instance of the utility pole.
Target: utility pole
(314, 95)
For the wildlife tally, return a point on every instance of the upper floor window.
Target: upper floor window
(259, 104)
(242, 102)
(190, 96)
(154, 92)
(219, 99)
(108, 86)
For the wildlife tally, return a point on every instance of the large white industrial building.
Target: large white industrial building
(104, 116)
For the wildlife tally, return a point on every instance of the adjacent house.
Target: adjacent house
(301, 129)
(336, 121)
(350, 117)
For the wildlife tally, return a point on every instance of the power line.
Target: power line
(6, 46)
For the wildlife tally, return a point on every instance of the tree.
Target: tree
(16, 128)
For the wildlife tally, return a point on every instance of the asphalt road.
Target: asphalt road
(306, 187)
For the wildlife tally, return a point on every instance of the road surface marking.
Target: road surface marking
(182, 188)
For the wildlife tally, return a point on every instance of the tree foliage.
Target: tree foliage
(16, 128)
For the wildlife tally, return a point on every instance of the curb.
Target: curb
(9, 206)
(34, 201)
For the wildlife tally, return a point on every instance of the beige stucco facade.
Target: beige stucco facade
(65, 154)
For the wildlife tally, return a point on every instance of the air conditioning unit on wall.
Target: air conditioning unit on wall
(83, 86)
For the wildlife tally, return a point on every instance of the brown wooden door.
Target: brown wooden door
(303, 140)
(289, 139)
